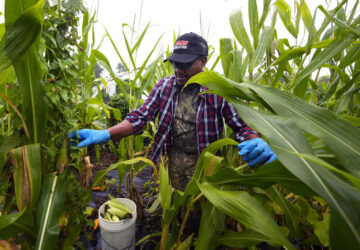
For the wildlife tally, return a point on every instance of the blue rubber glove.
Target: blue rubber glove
(90, 137)
(256, 151)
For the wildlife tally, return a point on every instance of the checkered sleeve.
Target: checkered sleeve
(240, 128)
(147, 112)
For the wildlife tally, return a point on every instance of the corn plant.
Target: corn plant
(299, 116)
(141, 80)
(34, 157)
(23, 22)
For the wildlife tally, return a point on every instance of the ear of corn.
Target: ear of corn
(116, 211)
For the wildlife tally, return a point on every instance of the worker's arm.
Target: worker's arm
(133, 124)
(121, 130)
(92, 137)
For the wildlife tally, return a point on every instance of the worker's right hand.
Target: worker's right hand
(90, 137)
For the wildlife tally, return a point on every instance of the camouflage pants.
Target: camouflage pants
(181, 168)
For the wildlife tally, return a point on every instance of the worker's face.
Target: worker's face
(184, 71)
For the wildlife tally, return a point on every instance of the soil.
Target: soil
(149, 223)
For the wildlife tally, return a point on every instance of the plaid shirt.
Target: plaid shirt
(212, 109)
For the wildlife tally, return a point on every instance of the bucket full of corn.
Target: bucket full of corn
(117, 219)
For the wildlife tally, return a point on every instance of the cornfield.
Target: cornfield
(304, 99)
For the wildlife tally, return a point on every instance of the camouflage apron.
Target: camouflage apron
(183, 153)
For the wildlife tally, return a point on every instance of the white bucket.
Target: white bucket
(118, 234)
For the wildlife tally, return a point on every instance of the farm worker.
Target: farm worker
(188, 121)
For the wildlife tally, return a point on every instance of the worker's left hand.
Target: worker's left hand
(256, 151)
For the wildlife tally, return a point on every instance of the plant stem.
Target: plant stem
(316, 80)
(187, 216)
(164, 235)
(2, 126)
(197, 198)
(147, 237)
(8, 114)
(297, 72)
(241, 167)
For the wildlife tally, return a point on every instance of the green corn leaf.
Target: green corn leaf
(327, 21)
(292, 215)
(121, 166)
(238, 28)
(9, 102)
(212, 80)
(280, 72)
(294, 53)
(27, 176)
(100, 98)
(149, 78)
(322, 228)
(305, 14)
(351, 56)
(116, 50)
(343, 76)
(343, 25)
(297, 19)
(186, 244)
(168, 214)
(284, 133)
(29, 72)
(236, 74)
(354, 180)
(207, 163)
(213, 148)
(266, 176)
(354, 9)
(265, 40)
(244, 65)
(245, 209)
(348, 85)
(50, 208)
(142, 67)
(2, 30)
(154, 206)
(285, 15)
(301, 88)
(225, 50)
(132, 59)
(215, 63)
(226, 88)
(19, 223)
(165, 188)
(254, 22)
(333, 49)
(8, 219)
(265, 12)
(244, 239)
(312, 32)
(334, 131)
(20, 35)
(85, 28)
(102, 59)
(211, 225)
(352, 119)
(140, 39)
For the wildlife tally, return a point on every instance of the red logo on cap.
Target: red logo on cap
(181, 43)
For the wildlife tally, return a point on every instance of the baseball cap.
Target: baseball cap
(188, 47)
